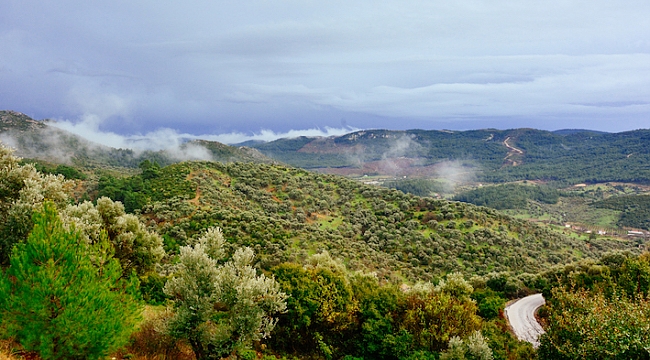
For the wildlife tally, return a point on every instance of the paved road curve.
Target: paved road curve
(521, 315)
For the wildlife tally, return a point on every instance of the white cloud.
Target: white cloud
(270, 135)
(171, 140)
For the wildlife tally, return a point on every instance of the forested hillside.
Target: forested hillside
(635, 210)
(490, 155)
(613, 209)
(509, 196)
(287, 214)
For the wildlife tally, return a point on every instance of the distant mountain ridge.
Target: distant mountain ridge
(39, 140)
(491, 155)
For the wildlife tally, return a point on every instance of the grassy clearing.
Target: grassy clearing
(329, 222)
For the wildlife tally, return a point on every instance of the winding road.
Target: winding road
(512, 151)
(521, 316)
(510, 147)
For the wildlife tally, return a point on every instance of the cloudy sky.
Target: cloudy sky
(240, 68)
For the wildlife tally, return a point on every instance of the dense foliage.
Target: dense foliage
(332, 312)
(69, 172)
(23, 190)
(219, 308)
(137, 248)
(508, 196)
(586, 325)
(285, 213)
(418, 187)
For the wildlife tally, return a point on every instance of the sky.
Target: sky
(261, 69)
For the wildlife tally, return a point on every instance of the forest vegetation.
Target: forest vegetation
(250, 259)
(568, 157)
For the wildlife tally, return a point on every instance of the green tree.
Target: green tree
(219, 308)
(150, 169)
(378, 336)
(63, 298)
(321, 308)
(634, 276)
(591, 325)
(434, 316)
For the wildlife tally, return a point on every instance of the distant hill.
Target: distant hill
(39, 140)
(489, 155)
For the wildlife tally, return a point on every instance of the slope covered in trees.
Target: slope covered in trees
(635, 210)
(494, 155)
(508, 196)
(287, 214)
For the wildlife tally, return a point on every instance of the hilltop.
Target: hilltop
(40, 140)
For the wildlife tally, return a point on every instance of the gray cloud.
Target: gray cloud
(205, 67)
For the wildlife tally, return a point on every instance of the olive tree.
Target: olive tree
(220, 307)
(135, 247)
(473, 348)
(23, 190)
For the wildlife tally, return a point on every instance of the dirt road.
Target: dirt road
(521, 315)
(510, 147)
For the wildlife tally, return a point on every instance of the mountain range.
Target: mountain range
(488, 155)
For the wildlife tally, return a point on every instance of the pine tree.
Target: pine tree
(64, 298)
